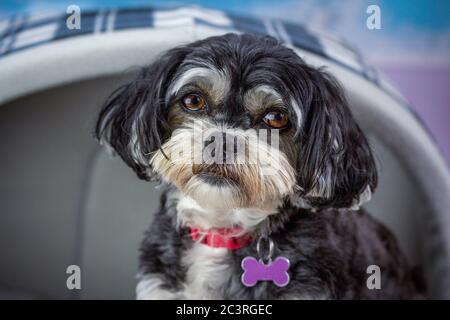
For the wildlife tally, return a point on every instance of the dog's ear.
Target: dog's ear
(335, 163)
(133, 120)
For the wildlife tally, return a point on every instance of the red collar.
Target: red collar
(221, 237)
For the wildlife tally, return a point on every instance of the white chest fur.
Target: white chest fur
(208, 269)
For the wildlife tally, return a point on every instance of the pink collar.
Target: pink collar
(221, 237)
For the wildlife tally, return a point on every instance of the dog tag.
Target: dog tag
(257, 270)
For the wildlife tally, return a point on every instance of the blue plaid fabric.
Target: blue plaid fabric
(24, 31)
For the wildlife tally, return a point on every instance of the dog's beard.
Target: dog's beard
(256, 174)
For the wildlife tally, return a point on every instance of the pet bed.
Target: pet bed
(64, 201)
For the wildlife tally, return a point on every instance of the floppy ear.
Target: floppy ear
(336, 166)
(133, 120)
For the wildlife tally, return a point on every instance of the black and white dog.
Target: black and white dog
(304, 167)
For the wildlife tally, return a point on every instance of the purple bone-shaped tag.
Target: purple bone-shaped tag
(255, 271)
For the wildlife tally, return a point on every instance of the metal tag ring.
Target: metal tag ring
(271, 247)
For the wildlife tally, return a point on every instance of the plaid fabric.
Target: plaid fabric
(25, 31)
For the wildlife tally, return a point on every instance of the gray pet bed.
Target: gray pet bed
(64, 201)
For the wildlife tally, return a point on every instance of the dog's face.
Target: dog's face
(240, 121)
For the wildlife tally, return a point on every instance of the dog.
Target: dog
(298, 199)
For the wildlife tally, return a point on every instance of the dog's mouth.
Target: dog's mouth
(216, 173)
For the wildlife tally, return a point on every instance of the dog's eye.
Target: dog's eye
(194, 102)
(276, 119)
